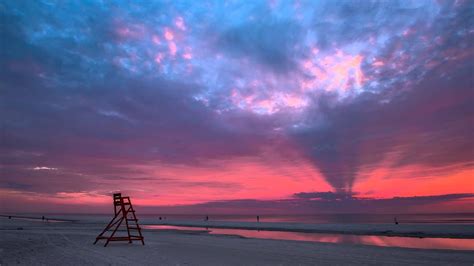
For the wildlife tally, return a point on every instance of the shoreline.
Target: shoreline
(450, 231)
(400, 230)
(37, 218)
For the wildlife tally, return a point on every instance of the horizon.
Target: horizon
(315, 107)
(449, 216)
(262, 215)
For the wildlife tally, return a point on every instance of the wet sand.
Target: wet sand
(404, 230)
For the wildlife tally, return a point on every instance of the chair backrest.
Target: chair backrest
(118, 202)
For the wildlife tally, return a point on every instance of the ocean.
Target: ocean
(456, 218)
(353, 218)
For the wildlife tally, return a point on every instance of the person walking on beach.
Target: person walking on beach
(258, 219)
(207, 218)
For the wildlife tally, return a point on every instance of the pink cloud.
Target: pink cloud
(168, 34)
(156, 40)
(188, 56)
(179, 22)
(158, 58)
(172, 47)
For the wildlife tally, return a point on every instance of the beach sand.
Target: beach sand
(64, 243)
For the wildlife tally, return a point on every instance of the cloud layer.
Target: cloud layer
(227, 99)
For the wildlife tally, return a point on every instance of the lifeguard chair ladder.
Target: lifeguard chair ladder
(124, 211)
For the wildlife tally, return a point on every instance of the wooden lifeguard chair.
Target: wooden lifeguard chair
(124, 211)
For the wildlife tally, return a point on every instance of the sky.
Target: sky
(237, 106)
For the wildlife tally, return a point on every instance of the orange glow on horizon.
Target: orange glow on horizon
(244, 178)
(236, 179)
(247, 178)
(388, 183)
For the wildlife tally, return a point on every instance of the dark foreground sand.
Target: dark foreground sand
(40, 243)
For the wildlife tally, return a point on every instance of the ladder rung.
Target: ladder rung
(125, 206)
(136, 228)
(118, 238)
(121, 238)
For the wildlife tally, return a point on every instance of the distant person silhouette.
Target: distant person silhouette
(395, 220)
(160, 218)
(42, 218)
(258, 219)
(207, 218)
